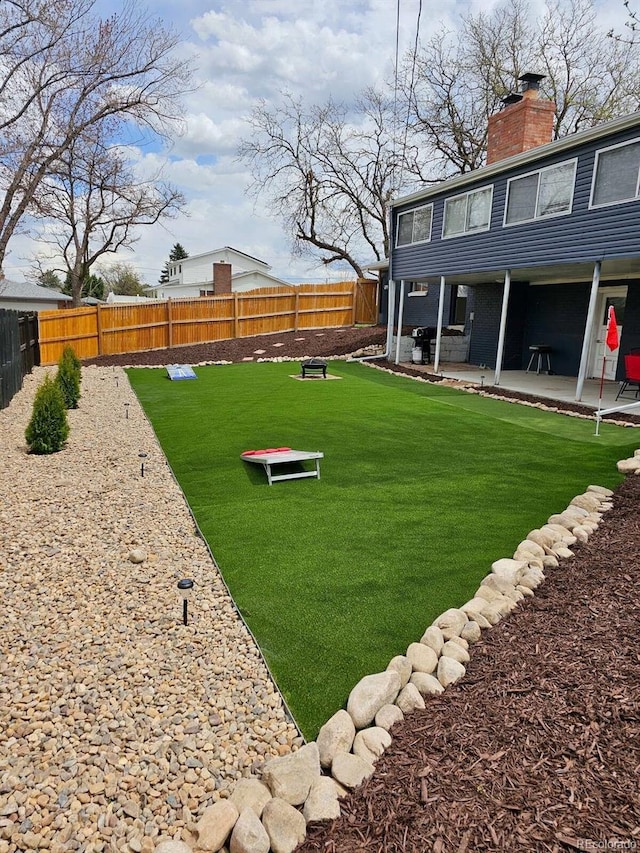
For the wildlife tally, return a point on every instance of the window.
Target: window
(414, 226)
(616, 174)
(459, 299)
(467, 213)
(418, 288)
(548, 192)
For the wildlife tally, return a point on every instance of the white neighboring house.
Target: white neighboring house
(225, 270)
(121, 299)
(25, 296)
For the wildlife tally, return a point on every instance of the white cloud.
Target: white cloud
(251, 49)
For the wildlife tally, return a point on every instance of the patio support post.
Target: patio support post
(400, 317)
(591, 312)
(391, 309)
(436, 358)
(503, 326)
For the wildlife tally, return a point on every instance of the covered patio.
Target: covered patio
(558, 388)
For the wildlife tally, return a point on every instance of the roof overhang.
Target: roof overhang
(612, 269)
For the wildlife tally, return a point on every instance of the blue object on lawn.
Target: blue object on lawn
(180, 371)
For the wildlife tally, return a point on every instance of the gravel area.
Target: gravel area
(120, 725)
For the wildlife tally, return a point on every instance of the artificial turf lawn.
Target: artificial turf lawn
(421, 488)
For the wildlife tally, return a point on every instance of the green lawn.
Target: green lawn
(422, 488)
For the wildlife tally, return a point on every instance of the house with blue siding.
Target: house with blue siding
(532, 249)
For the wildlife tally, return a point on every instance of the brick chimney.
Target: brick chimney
(525, 122)
(221, 278)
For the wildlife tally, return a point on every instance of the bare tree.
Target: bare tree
(95, 204)
(65, 70)
(460, 77)
(327, 174)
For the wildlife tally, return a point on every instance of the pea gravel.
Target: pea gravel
(118, 724)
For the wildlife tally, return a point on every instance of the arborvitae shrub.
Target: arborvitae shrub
(48, 428)
(68, 377)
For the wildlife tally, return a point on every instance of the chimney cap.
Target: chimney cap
(531, 81)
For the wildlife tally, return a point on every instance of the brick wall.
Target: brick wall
(519, 127)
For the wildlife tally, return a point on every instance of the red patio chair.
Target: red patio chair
(632, 373)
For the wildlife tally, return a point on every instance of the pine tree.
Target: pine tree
(178, 253)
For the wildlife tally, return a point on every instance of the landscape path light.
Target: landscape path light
(185, 588)
(142, 456)
(126, 409)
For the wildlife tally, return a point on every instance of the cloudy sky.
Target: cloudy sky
(246, 50)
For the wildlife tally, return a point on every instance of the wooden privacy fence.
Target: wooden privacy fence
(116, 329)
(18, 351)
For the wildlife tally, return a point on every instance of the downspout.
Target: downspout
(436, 358)
(591, 312)
(400, 318)
(503, 326)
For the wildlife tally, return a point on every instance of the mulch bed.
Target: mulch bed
(315, 344)
(537, 747)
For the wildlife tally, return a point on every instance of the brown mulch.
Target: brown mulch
(537, 748)
(315, 344)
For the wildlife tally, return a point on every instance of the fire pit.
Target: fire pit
(313, 366)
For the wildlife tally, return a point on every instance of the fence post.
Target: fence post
(99, 328)
(236, 308)
(355, 298)
(169, 323)
(297, 309)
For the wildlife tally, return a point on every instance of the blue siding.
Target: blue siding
(582, 236)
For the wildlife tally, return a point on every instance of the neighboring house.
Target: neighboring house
(224, 270)
(122, 299)
(532, 248)
(24, 296)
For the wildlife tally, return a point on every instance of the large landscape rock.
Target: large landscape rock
(286, 826)
(371, 743)
(250, 793)
(451, 622)
(214, 826)
(409, 699)
(388, 716)
(249, 835)
(402, 666)
(322, 802)
(350, 770)
(449, 671)
(422, 658)
(433, 638)
(290, 778)
(335, 736)
(370, 694)
(427, 685)
(456, 651)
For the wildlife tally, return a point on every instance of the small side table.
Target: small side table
(539, 351)
(314, 365)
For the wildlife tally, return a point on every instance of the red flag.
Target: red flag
(612, 330)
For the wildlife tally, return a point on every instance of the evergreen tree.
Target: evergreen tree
(178, 253)
(48, 428)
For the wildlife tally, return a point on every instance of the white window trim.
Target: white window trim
(506, 224)
(414, 242)
(474, 230)
(593, 206)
